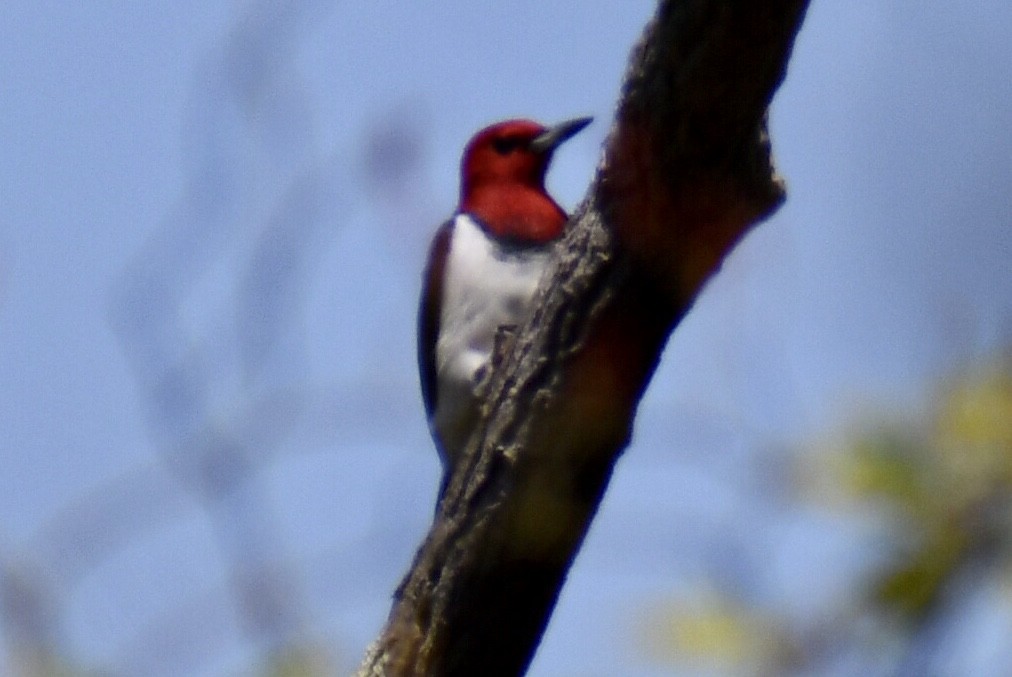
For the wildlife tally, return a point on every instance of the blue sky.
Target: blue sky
(186, 191)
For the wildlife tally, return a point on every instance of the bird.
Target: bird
(483, 268)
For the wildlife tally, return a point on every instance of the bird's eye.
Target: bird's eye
(505, 145)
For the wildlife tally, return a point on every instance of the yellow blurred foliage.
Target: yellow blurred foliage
(974, 432)
(949, 481)
(301, 661)
(714, 631)
(944, 485)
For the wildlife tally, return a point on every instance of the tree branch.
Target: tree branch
(686, 171)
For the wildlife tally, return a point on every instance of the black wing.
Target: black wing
(428, 315)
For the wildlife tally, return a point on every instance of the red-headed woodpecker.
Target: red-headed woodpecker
(483, 269)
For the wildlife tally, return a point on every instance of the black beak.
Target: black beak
(549, 140)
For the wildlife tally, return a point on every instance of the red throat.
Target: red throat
(516, 212)
(502, 184)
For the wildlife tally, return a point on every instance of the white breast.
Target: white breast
(486, 286)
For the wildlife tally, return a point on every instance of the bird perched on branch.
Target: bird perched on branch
(484, 266)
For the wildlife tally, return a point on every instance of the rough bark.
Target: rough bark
(686, 171)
